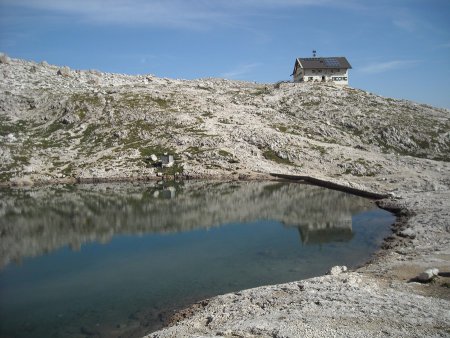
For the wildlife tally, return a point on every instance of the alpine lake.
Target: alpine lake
(117, 259)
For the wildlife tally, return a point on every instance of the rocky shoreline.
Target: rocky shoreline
(381, 298)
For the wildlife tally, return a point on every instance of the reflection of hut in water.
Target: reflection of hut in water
(168, 193)
(318, 233)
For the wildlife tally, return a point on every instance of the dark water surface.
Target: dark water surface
(114, 260)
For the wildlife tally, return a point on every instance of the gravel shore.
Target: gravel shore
(380, 299)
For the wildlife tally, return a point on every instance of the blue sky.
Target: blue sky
(398, 48)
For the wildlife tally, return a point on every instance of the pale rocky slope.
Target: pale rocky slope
(86, 124)
(59, 123)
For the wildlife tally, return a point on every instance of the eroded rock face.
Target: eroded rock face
(85, 124)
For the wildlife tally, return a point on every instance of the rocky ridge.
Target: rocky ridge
(60, 123)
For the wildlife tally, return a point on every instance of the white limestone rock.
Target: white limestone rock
(408, 233)
(428, 275)
(337, 270)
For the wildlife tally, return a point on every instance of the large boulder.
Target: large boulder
(64, 71)
(428, 275)
(4, 58)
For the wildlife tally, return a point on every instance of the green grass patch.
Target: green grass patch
(311, 103)
(173, 171)
(280, 127)
(93, 140)
(141, 101)
(7, 171)
(322, 150)
(196, 131)
(162, 103)
(260, 91)
(43, 134)
(7, 128)
(225, 153)
(272, 156)
(91, 99)
(158, 150)
(81, 114)
(194, 150)
(68, 170)
(229, 156)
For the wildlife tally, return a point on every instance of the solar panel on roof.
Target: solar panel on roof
(331, 62)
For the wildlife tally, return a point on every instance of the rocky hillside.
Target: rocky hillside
(63, 124)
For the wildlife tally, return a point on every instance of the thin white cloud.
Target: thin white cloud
(406, 24)
(409, 22)
(380, 67)
(173, 13)
(402, 18)
(240, 70)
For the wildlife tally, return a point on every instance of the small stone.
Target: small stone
(11, 138)
(410, 233)
(336, 270)
(428, 275)
(153, 157)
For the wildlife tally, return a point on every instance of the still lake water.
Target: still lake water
(112, 260)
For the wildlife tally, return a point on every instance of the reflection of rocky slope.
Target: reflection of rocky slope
(40, 220)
